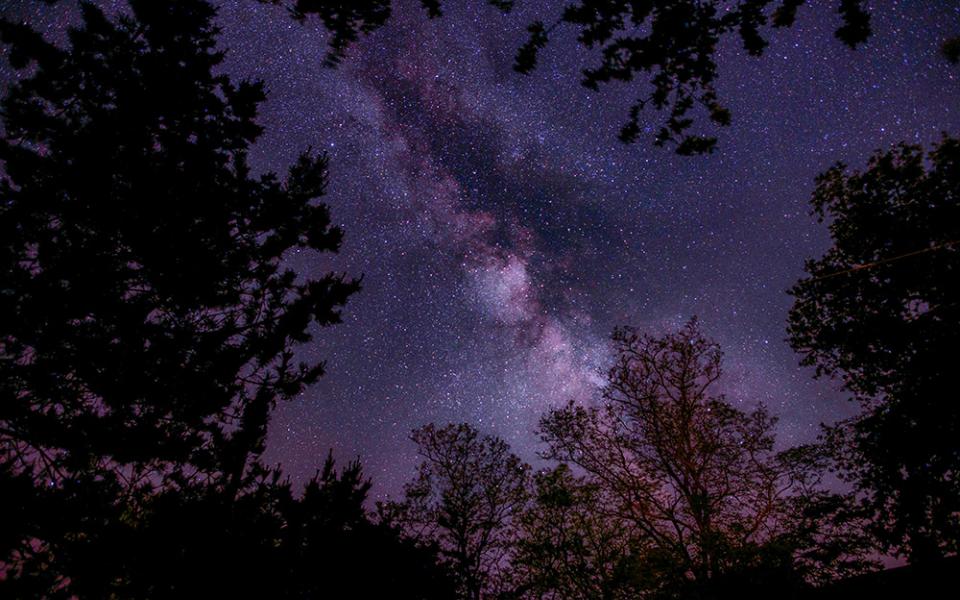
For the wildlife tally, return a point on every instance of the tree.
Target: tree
(670, 43)
(150, 324)
(330, 540)
(570, 548)
(881, 310)
(467, 494)
(268, 543)
(347, 21)
(674, 43)
(696, 479)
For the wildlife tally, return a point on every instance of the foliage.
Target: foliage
(672, 44)
(881, 309)
(142, 263)
(465, 498)
(568, 546)
(697, 479)
(265, 543)
(154, 327)
(348, 20)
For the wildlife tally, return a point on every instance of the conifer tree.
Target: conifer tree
(150, 323)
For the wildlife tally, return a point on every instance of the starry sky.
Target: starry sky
(502, 230)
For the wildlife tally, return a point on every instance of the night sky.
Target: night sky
(502, 230)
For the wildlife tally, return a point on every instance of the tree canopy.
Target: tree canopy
(569, 547)
(697, 479)
(468, 489)
(670, 44)
(152, 316)
(881, 310)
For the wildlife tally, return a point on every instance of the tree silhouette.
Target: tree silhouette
(695, 478)
(150, 324)
(881, 309)
(265, 543)
(348, 20)
(569, 547)
(672, 44)
(332, 538)
(464, 499)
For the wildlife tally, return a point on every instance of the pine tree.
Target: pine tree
(150, 323)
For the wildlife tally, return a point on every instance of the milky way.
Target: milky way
(502, 230)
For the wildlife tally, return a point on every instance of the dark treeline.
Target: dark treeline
(150, 327)
(663, 489)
